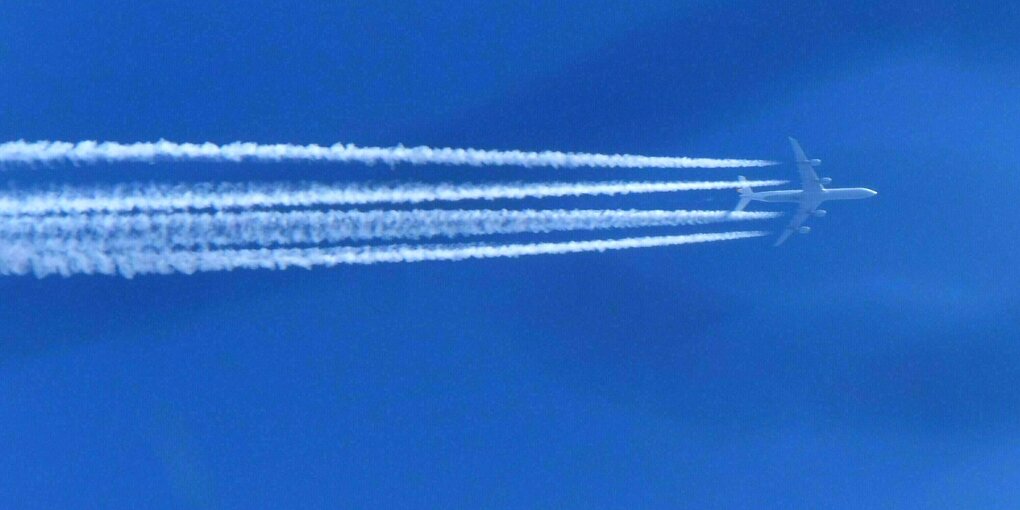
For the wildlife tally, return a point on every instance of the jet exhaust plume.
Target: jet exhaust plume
(112, 152)
(157, 197)
(20, 259)
(277, 228)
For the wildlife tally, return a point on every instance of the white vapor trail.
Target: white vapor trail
(92, 152)
(156, 197)
(276, 228)
(18, 259)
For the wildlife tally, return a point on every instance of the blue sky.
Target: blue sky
(871, 363)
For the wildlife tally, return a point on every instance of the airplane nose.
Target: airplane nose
(873, 192)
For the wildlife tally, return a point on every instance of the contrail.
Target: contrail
(17, 259)
(278, 228)
(111, 152)
(157, 197)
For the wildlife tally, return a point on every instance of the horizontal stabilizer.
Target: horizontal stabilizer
(742, 204)
(745, 193)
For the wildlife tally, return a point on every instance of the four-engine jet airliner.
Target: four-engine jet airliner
(811, 195)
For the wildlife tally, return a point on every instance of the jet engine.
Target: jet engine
(804, 230)
(825, 180)
(815, 162)
(820, 213)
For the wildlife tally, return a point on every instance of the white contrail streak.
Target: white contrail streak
(93, 152)
(17, 259)
(156, 197)
(277, 228)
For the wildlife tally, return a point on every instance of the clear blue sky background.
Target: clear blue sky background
(873, 363)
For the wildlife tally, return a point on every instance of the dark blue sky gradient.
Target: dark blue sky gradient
(873, 363)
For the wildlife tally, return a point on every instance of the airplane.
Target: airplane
(811, 195)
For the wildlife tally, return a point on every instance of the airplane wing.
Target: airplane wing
(805, 210)
(808, 178)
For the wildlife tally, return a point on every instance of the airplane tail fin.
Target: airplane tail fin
(745, 194)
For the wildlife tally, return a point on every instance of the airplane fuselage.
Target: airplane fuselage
(812, 196)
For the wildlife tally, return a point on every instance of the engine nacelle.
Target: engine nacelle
(820, 213)
(804, 230)
(815, 162)
(825, 180)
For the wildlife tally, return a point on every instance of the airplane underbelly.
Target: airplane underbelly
(848, 194)
(792, 197)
